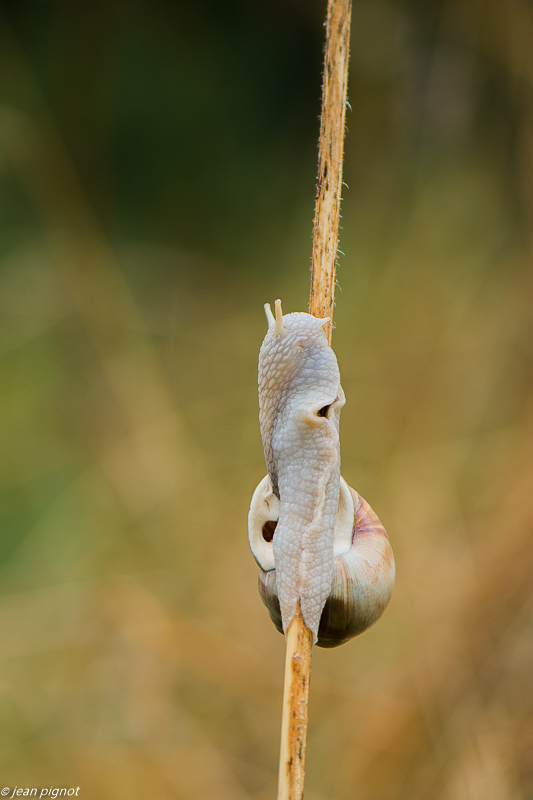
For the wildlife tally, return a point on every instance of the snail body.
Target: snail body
(318, 544)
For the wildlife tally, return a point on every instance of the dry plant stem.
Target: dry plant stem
(321, 301)
(294, 719)
(331, 148)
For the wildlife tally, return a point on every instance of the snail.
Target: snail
(320, 547)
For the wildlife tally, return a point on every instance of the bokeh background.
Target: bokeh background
(157, 168)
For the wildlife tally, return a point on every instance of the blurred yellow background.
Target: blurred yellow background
(157, 166)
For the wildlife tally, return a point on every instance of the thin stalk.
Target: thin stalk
(294, 719)
(330, 154)
(299, 640)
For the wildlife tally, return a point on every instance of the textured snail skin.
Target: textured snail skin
(299, 383)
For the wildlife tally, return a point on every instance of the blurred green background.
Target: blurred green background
(157, 168)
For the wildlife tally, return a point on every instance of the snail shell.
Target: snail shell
(320, 547)
(363, 571)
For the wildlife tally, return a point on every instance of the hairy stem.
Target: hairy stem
(330, 154)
